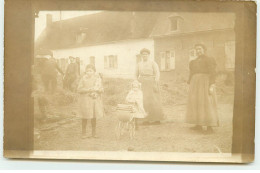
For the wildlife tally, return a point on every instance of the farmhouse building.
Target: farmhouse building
(111, 40)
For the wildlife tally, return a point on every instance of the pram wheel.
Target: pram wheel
(126, 121)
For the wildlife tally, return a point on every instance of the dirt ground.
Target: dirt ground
(61, 130)
(171, 136)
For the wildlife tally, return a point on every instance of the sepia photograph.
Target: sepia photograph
(147, 81)
(134, 81)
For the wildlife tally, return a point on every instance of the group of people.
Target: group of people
(145, 93)
(49, 68)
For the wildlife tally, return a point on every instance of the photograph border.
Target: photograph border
(18, 60)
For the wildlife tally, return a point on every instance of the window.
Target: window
(174, 24)
(105, 62)
(192, 54)
(92, 60)
(167, 59)
(110, 62)
(162, 57)
(172, 60)
(80, 37)
(230, 54)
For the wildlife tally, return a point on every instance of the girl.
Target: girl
(90, 101)
(135, 97)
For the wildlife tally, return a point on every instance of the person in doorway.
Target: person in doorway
(148, 74)
(202, 104)
(49, 74)
(78, 62)
(71, 75)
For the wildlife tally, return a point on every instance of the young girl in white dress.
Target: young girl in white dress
(135, 97)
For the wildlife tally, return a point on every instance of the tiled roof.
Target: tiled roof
(110, 26)
(99, 28)
(193, 22)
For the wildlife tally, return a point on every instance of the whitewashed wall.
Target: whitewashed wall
(126, 52)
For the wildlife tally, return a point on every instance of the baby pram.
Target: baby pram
(126, 120)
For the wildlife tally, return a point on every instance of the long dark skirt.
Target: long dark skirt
(152, 99)
(202, 106)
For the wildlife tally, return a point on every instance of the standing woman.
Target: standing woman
(202, 105)
(148, 74)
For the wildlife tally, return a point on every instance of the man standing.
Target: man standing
(49, 74)
(71, 74)
(78, 62)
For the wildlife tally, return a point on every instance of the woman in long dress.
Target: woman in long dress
(148, 74)
(202, 104)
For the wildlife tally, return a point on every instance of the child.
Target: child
(90, 101)
(135, 97)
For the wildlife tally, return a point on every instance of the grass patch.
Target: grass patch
(115, 90)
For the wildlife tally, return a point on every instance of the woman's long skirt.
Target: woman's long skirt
(202, 105)
(151, 99)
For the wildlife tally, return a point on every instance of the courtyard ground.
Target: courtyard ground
(61, 130)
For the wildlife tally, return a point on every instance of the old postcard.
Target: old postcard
(135, 82)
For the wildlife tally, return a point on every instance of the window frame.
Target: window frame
(177, 24)
(176, 19)
(230, 60)
(163, 55)
(110, 62)
(194, 56)
(94, 60)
